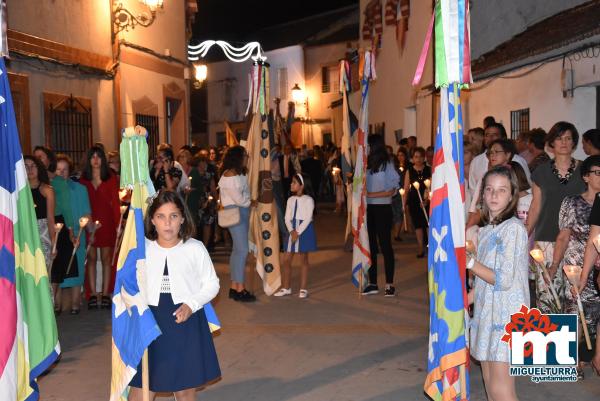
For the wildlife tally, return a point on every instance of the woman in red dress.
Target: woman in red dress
(103, 190)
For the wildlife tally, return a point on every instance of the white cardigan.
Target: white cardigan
(306, 206)
(191, 273)
(234, 191)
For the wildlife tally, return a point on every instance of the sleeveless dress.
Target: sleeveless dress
(184, 355)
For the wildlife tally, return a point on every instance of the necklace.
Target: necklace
(563, 180)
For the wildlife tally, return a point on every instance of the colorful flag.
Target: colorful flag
(361, 254)
(349, 120)
(133, 325)
(28, 334)
(264, 231)
(447, 377)
(451, 21)
(230, 135)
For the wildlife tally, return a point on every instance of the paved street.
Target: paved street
(332, 346)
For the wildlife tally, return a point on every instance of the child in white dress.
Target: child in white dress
(301, 237)
(501, 279)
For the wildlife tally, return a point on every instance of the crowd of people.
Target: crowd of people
(522, 194)
(528, 194)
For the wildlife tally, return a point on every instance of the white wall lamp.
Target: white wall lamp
(124, 20)
(200, 74)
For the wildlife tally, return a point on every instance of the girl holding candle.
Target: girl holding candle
(401, 164)
(103, 192)
(418, 172)
(500, 268)
(43, 202)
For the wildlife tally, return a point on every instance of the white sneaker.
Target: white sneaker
(283, 292)
(303, 294)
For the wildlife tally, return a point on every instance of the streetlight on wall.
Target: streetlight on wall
(299, 97)
(124, 20)
(200, 74)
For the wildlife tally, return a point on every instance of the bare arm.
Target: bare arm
(534, 209)
(484, 272)
(406, 189)
(48, 192)
(562, 241)
(590, 256)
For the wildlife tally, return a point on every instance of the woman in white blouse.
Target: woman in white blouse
(234, 192)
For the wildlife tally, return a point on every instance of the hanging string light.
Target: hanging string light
(237, 54)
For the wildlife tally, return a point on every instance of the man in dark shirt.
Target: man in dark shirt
(314, 169)
(288, 171)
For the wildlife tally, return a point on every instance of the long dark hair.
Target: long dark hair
(187, 229)
(234, 160)
(378, 155)
(511, 208)
(50, 155)
(42, 173)
(104, 170)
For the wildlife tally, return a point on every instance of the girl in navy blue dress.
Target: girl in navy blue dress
(180, 280)
(301, 238)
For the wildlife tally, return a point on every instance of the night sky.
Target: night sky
(233, 20)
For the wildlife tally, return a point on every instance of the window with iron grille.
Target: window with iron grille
(69, 124)
(519, 122)
(330, 79)
(151, 125)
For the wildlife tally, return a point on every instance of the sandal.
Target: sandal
(74, 311)
(106, 302)
(93, 302)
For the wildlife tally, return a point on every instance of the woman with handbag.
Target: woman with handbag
(234, 214)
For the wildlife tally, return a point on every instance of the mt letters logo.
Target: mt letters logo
(542, 346)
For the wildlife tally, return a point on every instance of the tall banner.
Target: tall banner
(133, 325)
(361, 254)
(264, 231)
(448, 358)
(28, 334)
(447, 377)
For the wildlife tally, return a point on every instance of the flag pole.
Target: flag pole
(145, 377)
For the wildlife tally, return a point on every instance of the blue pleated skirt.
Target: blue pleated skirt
(307, 241)
(183, 356)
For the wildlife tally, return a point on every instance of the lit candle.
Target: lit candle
(469, 246)
(416, 185)
(537, 255)
(427, 183)
(401, 169)
(57, 228)
(573, 274)
(123, 194)
(82, 223)
(336, 170)
(210, 198)
(401, 191)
